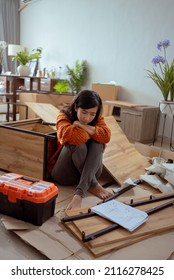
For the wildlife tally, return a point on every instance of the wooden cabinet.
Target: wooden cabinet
(139, 122)
(40, 84)
(14, 83)
(26, 147)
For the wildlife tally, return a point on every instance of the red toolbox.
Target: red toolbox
(27, 198)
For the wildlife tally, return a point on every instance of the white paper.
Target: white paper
(126, 183)
(168, 166)
(129, 181)
(156, 183)
(126, 216)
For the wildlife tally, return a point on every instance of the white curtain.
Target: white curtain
(9, 28)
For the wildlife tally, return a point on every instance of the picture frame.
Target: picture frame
(32, 65)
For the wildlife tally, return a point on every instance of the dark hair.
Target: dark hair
(85, 99)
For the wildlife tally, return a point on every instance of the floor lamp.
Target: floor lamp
(13, 50)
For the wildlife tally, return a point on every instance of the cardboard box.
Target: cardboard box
(106, 92)
(153, 151)
(27, 198)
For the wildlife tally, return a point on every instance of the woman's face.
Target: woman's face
(86, 116)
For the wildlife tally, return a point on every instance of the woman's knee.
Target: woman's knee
(98, 147)
(73, 148)
(78, 149)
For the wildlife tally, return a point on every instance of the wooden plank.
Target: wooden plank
(121, 159)
(100, 251)
(157, 223)
(122, 103)
(47, 112)
(21, 153)
(55, 99)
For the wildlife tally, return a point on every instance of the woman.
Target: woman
(82, 134)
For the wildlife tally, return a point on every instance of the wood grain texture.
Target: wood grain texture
(121, 159)
(24, 153)
(57, 100)
(157, 223)
(47, 112)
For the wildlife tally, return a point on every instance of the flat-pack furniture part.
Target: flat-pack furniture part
(27, 198)
(56, 99)
(26, 146)
(152, 210)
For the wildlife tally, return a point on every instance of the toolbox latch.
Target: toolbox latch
(14, 194)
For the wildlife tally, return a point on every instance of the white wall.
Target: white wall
(118, 39)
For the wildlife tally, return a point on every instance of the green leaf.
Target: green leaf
(77, 75)
(61, 86)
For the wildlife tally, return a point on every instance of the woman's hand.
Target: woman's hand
(88, 128)
(76, 123)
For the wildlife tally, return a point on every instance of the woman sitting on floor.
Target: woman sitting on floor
(82, 134)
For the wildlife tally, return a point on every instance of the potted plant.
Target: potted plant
(77, 75)
(164, 78)
(23, 58)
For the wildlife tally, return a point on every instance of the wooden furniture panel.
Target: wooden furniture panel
(55, 99)
(157, 223)
(120, 158)
(26, 147)
(47, 112)
(114, 107)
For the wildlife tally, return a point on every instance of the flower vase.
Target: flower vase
(23, 70)
(167, 107)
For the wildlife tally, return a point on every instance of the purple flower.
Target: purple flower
(164, 76)
(163, 44)
(158, 59)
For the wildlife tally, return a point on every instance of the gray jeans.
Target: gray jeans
(79, 165)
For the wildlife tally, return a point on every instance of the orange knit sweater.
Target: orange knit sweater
(67, 133)
(71, 134)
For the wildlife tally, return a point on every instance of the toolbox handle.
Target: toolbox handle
(32, 180)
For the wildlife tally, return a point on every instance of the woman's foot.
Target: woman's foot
(99, 191)
(75, 202)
